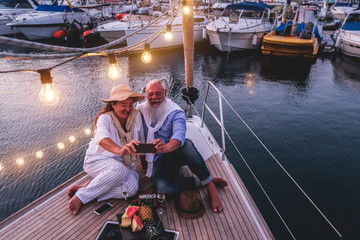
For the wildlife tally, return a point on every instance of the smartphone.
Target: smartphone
(103, 208)
(145, 148)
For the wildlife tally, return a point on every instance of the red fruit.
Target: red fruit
(131, 211)
(138, 221)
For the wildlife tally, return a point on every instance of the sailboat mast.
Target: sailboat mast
(188, 38)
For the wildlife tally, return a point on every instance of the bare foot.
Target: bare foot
(220, 182)
(215, 200)
(74, 188)
(74, 205)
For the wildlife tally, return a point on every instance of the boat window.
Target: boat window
(12, 5)
(24, 5)
(353, 18)
(234, 16)
(198, 19)
(251, 14)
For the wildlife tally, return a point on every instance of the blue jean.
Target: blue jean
(166, 170)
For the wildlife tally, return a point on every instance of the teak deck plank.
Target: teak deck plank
(48, 217)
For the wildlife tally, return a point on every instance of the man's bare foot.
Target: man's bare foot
(220, 182)
(215, 200)
(74, 188)
(74, 205)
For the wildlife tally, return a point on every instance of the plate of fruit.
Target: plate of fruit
(141, 222)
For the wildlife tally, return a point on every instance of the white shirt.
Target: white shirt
(105, 128)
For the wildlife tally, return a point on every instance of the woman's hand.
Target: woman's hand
(129, 149)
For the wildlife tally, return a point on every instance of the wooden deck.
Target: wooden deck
(48, 217)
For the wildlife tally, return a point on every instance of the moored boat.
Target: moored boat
(47, 19)
(10, 9)
(348, 37)
(240, 27)
(340, 9)
(300, 39)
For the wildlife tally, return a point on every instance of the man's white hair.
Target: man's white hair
(155, 81)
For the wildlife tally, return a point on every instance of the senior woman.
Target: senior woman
(110, 153)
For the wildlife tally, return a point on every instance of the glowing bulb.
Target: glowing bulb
(1, 167)
(20, 161)
(39, 154)
(60, 145)
(72, 139)
(48, 94)
(168, 34)
(146, 56)
(114, 72)
(87, 131)
(185, 8)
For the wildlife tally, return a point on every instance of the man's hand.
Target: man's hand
(166, 148)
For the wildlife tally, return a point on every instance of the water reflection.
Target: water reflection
(347, 73)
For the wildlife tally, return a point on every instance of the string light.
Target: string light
(48, 94)
(20, 161)
(39, 154)
(72, 139)
(146, 56)
(87, 131)
(1, 167)
(185, 8)
(114, 72)
(60, 145)
(168, 34)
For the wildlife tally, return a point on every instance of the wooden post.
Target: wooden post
(188, 38)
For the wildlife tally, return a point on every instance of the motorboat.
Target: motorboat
(114, 30)
(295, 39)
(241, 26)
(47, 19)
(340, 9)
(348, 37)
(10, 9)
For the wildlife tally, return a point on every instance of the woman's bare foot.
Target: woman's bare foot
(74, 188)
(220, 182)
(215, 200)
(74, 205)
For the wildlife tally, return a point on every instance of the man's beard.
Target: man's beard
(156, 113)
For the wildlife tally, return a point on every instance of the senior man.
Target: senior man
(165, 126)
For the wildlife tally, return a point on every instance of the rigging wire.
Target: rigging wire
(287, 173)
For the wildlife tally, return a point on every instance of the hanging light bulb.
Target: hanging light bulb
(146, 56)
(39, 154)
(168, 34)
(114, 72)
(1, 167)
(20, 161)
(72, 139)
(87, 131)
(185, 8)
(48, 94)
(60, 145)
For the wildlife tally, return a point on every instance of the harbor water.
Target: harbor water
(306, 113)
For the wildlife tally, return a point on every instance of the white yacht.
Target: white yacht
(10, 9)
(348, 38)
(114, 30)
(47, 19)
(340, 9)
(241, 26)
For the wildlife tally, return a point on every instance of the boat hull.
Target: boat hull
(350, 43)
(289, 46)
(235, 41)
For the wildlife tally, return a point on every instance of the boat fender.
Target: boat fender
(254, 39)
(204, 33)
(88, 32)
(60, 34)
(338, 40)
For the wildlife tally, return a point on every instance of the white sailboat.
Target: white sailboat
(241, 26)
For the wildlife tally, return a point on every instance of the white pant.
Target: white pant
(110, 179)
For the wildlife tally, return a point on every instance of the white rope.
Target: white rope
(287, 173)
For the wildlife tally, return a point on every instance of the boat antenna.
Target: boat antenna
(189, 93)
